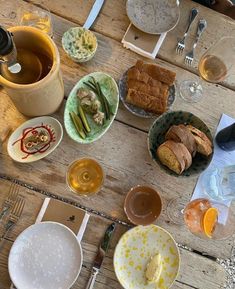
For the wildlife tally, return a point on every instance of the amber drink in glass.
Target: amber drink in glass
(85, 176)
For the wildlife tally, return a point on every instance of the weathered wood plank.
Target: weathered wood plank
(122, 172)
(112, 150)
(114, 22)
(107, 60)
(196, 271)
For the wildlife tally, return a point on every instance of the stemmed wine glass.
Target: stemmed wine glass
(212, 215)
(205, 218)
(214, 66)
(85, 176)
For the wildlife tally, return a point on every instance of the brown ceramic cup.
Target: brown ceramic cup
(143, 205)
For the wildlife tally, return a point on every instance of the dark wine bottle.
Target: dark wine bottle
(226, 138)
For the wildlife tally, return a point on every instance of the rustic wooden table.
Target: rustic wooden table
(123, 149)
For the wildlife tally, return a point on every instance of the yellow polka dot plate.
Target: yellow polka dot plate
(134, 251)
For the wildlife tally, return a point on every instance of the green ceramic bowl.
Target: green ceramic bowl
(156, 137)
(110, 90)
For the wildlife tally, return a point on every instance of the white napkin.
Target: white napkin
(142, 43)
(220, 159)
(81, 229)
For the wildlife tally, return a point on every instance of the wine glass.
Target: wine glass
(85, 176)
(209, 220)
(36, 16)
(214, 66)
(203, 217)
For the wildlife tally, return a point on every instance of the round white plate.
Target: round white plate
(16, 144)
(46, 255)
(153, 16)
(133, 253)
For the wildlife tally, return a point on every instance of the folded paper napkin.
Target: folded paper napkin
(74, 218)
(220, 159)
(142, 43)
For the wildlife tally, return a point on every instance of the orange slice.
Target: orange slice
(209, 221)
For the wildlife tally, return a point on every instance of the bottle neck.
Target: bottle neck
(8, 54)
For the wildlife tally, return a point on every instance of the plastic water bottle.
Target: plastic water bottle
(219, 183)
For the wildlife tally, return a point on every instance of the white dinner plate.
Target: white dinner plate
(16, 146)
(153, 16)
(46, 255)
(134, 251)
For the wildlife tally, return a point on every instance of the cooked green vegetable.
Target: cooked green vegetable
(78, 124)
(106, 104)
(95, 86)
(94, 89)
(83, 118)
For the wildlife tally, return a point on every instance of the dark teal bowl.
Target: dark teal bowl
(156, 137)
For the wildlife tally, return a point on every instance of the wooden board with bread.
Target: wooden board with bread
(181, 143)
(147, 89)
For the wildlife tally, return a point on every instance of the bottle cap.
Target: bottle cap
(6, 42)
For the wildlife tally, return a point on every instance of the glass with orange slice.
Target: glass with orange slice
(209, 220)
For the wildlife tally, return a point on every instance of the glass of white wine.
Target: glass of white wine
(214, 66)
(85, 176)
(36, 16)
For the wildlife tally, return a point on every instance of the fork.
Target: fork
(181, 44)
(11, 198)
(190, 55)
(14, 216)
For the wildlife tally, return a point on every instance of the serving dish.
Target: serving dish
(138, 111)
(157, 132)
(19, 148)
(45, 255)
(134, 251)
(80, 44)
(153, 16)
(111, 92)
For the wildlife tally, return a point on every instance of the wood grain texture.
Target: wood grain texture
(196, 271)
(126, 164)
(123, 150)
(107, 60)
(218, 25)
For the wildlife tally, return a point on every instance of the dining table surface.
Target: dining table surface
(123, 150)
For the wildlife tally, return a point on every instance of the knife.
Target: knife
(93, 13)
(100, 255)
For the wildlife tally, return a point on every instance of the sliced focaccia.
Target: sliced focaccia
(157, 72)
(147, 101)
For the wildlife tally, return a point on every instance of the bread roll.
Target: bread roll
(175, 156)
(180, 133)
(204, 145)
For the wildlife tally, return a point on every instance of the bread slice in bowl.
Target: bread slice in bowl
(175, 156)
(204, 145)
(180, 133)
